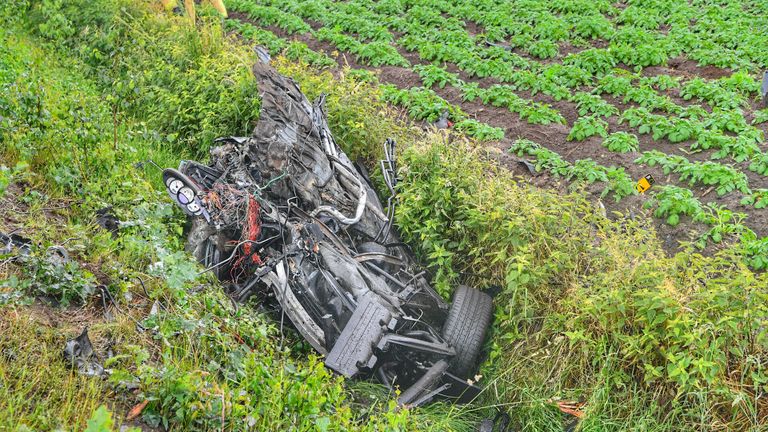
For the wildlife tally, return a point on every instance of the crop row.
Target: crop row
(534, 28)
(722, 177)
(511, 38)
(669, 202)
(584, 170)
(425, 104)
(456, 46)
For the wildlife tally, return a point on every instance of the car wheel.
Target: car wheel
(465, 327)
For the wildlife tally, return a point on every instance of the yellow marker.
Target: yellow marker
(645, 183)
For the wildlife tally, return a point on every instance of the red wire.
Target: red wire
(253, 227)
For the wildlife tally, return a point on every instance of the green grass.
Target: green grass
(75, 149)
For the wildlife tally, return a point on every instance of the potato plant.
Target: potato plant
(621, 142)
(586, 127)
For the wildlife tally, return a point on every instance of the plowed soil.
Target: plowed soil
(553, 136)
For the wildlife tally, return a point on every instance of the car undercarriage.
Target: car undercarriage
(285, 217)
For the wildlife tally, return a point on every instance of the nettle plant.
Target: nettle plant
(586, 127)
(51, 273)
(263, 37)
(621, 142)
(725, 223)
(756, 251)
(299, 52)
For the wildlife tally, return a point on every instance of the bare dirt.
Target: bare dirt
(553, 136)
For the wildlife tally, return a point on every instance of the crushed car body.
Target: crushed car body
(285, 216)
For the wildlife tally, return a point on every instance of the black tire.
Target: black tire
(465, 328)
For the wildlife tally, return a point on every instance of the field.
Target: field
(655, 320)
(595, 92)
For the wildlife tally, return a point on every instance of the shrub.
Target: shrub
(188, 82)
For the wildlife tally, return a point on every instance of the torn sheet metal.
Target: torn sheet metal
(79, 354)
(284, 216)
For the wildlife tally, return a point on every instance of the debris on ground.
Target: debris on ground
(78, 352)
(572, 408)
(57, 256)
(136, 410)
(14, 245)
(443, 122)
(285, 217)
(500, 423)
(107, 220)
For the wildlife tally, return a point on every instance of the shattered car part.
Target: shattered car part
(78, 352)
(11, 242)
(285, 216)
(107, 220)
(57, 255)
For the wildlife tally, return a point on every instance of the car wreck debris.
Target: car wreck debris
(15, 245)
(284, 216)
(78, 352)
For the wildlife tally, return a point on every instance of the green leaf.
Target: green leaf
(100, 421)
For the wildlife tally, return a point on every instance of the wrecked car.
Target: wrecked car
(285, 216)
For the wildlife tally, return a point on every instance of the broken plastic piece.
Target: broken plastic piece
(78, 352)
(11, 242)
(107, 220)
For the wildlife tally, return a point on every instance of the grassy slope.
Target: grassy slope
(589, 309)
(197, 352)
